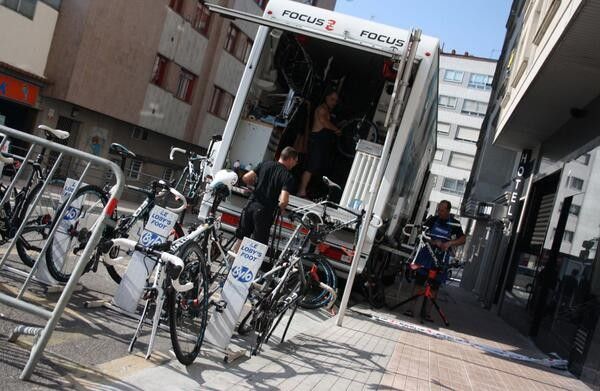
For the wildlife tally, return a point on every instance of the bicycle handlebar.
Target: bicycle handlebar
(175, 149)
(164, 256)
(178, 196)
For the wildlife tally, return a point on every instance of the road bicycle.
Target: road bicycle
(77, 226)
(17, 202)
(288, 282)
(165, 286)
(354, 130)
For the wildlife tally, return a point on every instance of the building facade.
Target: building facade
(534, 187)
(145, 74)
(26, 30)
(464, 92)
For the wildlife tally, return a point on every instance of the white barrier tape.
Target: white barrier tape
(547, 362)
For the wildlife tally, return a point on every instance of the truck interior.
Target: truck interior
(294, 74)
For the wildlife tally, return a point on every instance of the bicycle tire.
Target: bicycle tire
(56, 267)
(327, 275)
(191, 304)
(41, 227)
(346, 143)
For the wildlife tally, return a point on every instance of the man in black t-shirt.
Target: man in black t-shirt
(273, 183)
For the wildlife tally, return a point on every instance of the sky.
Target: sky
(474, 26)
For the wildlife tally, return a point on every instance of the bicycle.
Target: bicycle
(287, 283)
(192, 177)
(88, 203)
(12, 214)
(354, 130)
(167, 272)
(432, 281)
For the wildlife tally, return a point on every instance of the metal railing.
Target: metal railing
(52, 317)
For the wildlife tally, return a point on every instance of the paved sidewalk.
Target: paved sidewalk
(367, 355)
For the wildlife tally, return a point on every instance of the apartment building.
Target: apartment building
(534, 187)
(26, 29)
(148, 74)
(464, 92)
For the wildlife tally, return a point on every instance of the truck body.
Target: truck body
(299, 51)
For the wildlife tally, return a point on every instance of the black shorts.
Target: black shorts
(255, 222)
(320, 151)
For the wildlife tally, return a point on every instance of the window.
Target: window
(453, 186)
(168, 174)
(135, 169)
(480, 82)
(220, 104)
(201, 20)
(159, 70)
(232, 36)
(53, 3)
(443, 128)
(474, 107)
(584, 159)
(24, 7)
(575, 183)
(238, 44)
(139, 133)
(261, 3)
(176, 5)
(453, 76)
(439, 154)
(467, 134)
(185, 85)
(460, 160)
(568, 236)
(447, 101)
(575, 209)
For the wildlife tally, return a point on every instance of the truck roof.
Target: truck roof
(345, 27)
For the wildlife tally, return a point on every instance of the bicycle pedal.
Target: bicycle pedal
(219, 305)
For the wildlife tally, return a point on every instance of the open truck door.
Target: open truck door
(398, 47)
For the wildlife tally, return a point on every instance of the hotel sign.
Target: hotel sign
(518, 184)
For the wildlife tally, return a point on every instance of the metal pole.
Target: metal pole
(17, 175)
(403, 74)
(46, 333)
(57, 221)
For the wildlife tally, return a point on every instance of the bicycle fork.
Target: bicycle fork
(156, 295)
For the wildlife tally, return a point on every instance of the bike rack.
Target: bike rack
(43, 334)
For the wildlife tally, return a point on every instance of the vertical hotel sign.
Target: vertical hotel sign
(18, 90)
(518, 184)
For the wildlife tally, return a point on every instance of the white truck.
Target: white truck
(299, 51)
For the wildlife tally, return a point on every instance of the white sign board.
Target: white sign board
(235, 291)
(62, 240)
(156, 231)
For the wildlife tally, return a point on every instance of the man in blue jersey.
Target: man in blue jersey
(445, 233)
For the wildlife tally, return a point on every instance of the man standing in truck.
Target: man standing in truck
(272, 183)
(321, 145)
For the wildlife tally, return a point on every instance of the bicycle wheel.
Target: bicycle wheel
(38, 226)
(354, 131)
(315, 296)
(74, 231)
(188, 311)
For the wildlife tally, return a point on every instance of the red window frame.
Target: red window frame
(185, 85)
(220, 103)
(176, 5)
(202, 19)
(159, 70)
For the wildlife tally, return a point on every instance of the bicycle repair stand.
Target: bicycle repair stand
(427, 295)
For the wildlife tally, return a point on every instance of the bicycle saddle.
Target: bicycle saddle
(60, 134)
(331, 184)
(121, 150)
